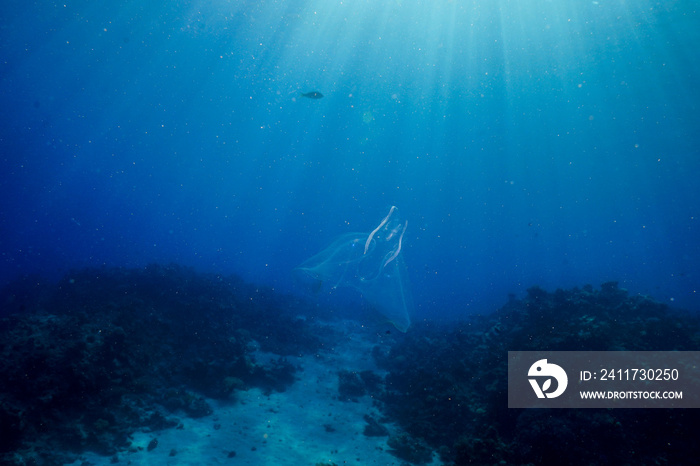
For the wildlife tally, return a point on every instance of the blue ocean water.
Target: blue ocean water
(550, 143)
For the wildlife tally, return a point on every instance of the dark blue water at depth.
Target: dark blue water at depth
(526, 143)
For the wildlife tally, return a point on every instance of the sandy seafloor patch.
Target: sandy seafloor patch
(287, 428)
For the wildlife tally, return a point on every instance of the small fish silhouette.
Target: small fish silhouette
(312, 95)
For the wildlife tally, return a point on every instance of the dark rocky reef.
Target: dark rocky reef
(353, 385)
(447, 384)
(374, 428)
(106, 351)
(410, 449)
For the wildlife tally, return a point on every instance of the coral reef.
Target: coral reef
(353, 385)
(350, 385)
(447, 384)
(410, 449)
(107, 351)
(373, 428)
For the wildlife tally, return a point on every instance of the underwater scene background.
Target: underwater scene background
(210, 207)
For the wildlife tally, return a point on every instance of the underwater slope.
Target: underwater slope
(140, 365)
(447, 384)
